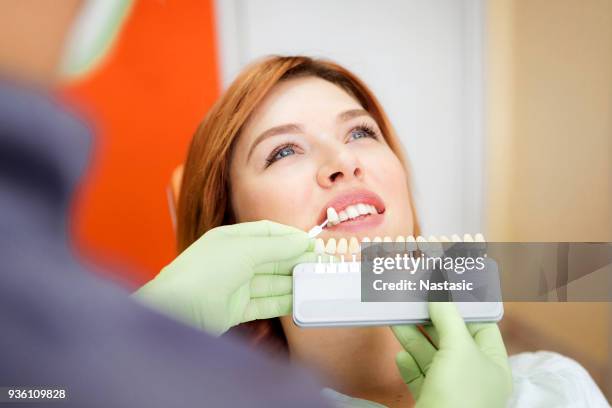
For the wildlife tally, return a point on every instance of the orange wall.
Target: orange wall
(145, 100)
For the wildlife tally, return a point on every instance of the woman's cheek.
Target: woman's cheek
(385, 169)
(283, 198)
(389, 179)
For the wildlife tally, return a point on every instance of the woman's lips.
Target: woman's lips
(351, 199)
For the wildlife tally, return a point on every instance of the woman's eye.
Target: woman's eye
(280, 153)
(361, 132)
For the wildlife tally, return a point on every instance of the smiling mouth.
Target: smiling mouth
(353, 212)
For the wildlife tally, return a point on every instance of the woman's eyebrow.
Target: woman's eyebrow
(276, 130)
(352, 113)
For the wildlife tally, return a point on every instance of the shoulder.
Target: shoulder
(544, 379)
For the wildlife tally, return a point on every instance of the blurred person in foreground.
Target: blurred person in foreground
(62, 326)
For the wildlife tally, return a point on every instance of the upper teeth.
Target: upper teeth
(350, 212)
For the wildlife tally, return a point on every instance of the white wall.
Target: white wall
(422, 58)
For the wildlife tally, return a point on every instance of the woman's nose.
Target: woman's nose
(341, 167)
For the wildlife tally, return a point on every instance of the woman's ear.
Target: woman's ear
(173, 192)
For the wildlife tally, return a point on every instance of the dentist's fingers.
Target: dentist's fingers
(271, 285)
(269, 307)
(285, 267)
(262, 228)
(448, 323)
(273, 249)
(410, 372)
(416, 344)
(489, 340)
(431, 331)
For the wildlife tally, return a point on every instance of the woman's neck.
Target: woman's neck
(359, 362)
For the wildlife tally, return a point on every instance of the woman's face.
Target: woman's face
(309, 146)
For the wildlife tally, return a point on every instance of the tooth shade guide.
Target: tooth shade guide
(351, 246)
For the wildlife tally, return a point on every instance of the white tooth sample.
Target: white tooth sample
(444, 238)
(330, 248)
(353, 246)
(434, 245)
(342, 250)
(365, 239)
(467, 238)
(332, 216)
(351, 211)
(377, 239)
(479, 238)
(363, 209)
(411, 244)
(343, 216)
(319, 246)
(342, 246)
(422, 243)
(387, 239)
(400, 243)
(455, 238)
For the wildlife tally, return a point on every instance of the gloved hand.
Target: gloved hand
(469, 367)
(230, 275)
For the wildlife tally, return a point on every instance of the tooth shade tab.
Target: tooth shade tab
(342, 246)
(400, 238)
(479, 237)
(353, 246)
(411, 244)
(468, 238)
(387, 239)
(432, 239)
(330, 248)
(377, 239)
(332, 215)
(319, 246)
(455, 238)
(365, 239)
(444, 238)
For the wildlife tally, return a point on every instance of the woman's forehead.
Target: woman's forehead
(300, 100)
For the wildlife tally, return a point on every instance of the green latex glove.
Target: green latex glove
(230, 275)
(467, 368)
